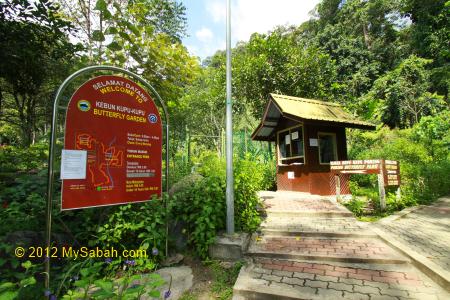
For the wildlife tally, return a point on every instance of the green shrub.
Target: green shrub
(269, 182)
(24, 200)
(248, 179)
(135, 225)
(13, 159)
(423, 155)
(356, 206)
(202, 208)
(202, 205)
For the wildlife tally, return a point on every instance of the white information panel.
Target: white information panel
(294, 135)
(291, 175)
(73, 164)
(288, 139)
(313, 142)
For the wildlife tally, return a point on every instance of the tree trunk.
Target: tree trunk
(366, 36)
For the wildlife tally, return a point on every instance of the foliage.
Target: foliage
(386, 61)
(129, 225)
(23, 200)
(117, 25)
(130, 286)
(277, 62)
(24, 285)
(248, 179)
(428, 36)
(356, 206)
(224, 279)
(39, 52)
(202, 206)
(423, 154)
(435, 133)
(14, 159)
(401, 96)
(269, 176)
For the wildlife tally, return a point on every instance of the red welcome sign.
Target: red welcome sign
(117, 124)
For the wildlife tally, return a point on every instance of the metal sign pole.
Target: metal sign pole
(229, 129)
(58, 96)
(381, 189)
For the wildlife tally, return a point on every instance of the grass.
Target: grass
(372, 218)
(365, 204)
(221, 282)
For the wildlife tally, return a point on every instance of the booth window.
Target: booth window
(291, 146)
(327, 148)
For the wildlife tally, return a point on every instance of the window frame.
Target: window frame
(280, 159)
(335, 152)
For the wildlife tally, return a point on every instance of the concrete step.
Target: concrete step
(293, 279)
(306, 226)
(343, 249)
(316, 213)
(296, 233)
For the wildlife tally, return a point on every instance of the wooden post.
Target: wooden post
(381, 189)
(338, 187)
(398, 194)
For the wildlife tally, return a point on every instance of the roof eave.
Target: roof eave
(362, 125)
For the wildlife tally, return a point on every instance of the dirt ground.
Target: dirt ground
(212, 279)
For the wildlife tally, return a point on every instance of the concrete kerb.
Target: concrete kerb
(230, 248)
(399, 215)
(247, 287)
(274, 232)
(309, 257)
(431, 269)
(406, 211)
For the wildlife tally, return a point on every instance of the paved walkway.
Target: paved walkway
(312, 248)
(425, 230)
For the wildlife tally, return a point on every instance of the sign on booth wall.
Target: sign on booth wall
(118, 125)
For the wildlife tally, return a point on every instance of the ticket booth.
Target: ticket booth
(308, 134)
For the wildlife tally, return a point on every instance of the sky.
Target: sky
(207, 20)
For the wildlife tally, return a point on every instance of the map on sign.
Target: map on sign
(101, 158)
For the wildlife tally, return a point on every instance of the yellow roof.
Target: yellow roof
(309, 109)
(302, 109)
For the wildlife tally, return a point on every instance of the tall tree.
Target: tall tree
(402, 96)
(277, 62)
(104, 24)
(429, 37)
(362, 37)
(35, 49)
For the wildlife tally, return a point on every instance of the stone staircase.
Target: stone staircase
(310, 248)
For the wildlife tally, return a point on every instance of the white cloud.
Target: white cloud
(261, 16)
(204, 35)
(249, 16)
(217, 10)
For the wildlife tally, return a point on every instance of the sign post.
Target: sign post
(113, 145)
(388, 172)
(118, 125)
(381, 190)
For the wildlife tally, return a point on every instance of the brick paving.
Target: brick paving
(315, 224)
(333, 257)
(291, 205)
(297, 202)
(426, 231)
(334, 247)
(344, 281)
